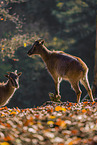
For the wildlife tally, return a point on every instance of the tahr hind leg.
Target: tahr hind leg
(85, 83)
(75, 86)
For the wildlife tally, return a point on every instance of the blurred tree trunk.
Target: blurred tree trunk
(95, 68)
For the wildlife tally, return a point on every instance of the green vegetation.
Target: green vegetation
(64, 25)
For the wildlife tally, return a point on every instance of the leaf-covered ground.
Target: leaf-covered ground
(51, 124)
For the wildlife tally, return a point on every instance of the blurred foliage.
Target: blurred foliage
(5, 15)
(64, 25)
(73, 21)
(76, 18)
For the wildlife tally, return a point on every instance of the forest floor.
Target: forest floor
(50, 124)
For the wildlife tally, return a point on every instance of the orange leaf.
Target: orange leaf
(2, 115)
(50, 110)
(85, 102)
(75, 131)
(13, 113)
(29, 122)
(37, 116)
(5, 108)
(63, 124)
(2, 124)
(8, 125)
(93, 103)
(59, 108)
(60, 123)
(69, 108)
(52, 117)
(75, 141)
(2, 48)
(84, 111)
(8, 138)
(18, 110)
(2, 108)
(70, 104)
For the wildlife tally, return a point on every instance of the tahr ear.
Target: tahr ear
(42, 42)
(15, 71)
(19, 74)
(7, 76)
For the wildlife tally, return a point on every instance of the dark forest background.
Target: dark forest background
(65, 25)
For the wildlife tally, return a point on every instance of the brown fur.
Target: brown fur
(8, 89)
(63, 66)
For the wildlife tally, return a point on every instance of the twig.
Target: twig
(84, 98)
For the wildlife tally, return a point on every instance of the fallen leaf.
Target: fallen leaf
(52, 117)
(60, 122)
(84, 111)
(75, 141)
(4, 143)
(58, 108)
(75, 131)
(13, 113)
(7, 138)
(50, 122)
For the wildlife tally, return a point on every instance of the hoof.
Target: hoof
(58, 97)
(55, 98)
(51, 95)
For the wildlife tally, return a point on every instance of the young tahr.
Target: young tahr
(8, 89)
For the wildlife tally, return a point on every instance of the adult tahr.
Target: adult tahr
(63, 66)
